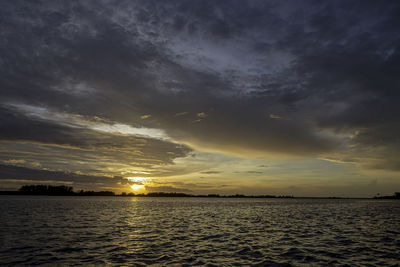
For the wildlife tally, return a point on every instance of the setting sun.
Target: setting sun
(138, 183)
(137, 186)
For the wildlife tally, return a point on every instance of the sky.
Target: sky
(202, 97)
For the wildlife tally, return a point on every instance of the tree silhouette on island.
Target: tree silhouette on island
(62, 190)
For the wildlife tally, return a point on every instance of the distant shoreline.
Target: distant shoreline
(152, 194)
(62, 190)
(172, 195)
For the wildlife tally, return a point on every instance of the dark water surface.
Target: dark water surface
(120, 231)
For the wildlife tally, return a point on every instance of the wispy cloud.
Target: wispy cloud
(143, 117)
(211, 172)
(277, 117)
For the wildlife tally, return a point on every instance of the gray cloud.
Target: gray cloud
(23, 174)
(167, 189)
(250, 172)
(210, 172)
(32, 140)
(329, 69)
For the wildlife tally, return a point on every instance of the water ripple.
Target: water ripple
(198, 232)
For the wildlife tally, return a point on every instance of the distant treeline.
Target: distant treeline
(46, 190)
(50, 190)
(164, 194)
(395, 196)
(62, 190)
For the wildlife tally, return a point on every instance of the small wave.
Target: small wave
(68, 250)
(272, 264)
(131, 233)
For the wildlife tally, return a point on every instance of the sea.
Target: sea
(145, 231)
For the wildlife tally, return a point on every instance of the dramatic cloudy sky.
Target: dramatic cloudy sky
(253, 97)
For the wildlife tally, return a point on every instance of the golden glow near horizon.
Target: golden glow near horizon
(138, 183)
(137, 186)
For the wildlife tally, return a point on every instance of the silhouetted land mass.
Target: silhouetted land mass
(50, 190)
(62, 190)
(164, 194)
(94, 193)
(395, 196)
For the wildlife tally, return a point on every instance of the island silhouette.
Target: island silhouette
(62, 190)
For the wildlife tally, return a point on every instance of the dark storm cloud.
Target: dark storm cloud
(293, 78)
(22, 173)
(15, 176)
